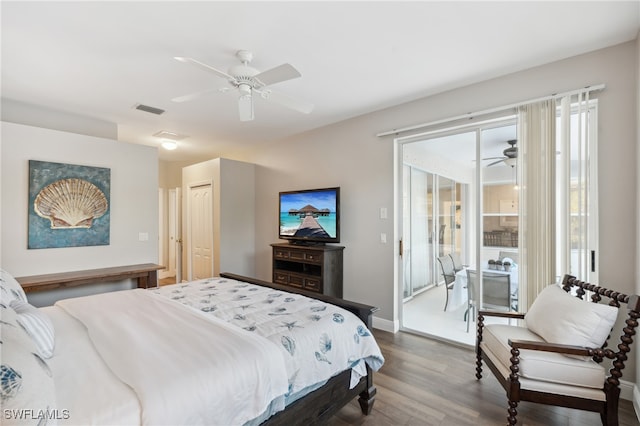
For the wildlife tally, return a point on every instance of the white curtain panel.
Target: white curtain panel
(537, 170)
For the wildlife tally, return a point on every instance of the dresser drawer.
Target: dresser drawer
(312, 284)
(313, 257)
(280, 278)
(280, 253)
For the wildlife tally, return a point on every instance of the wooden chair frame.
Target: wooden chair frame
(608, 409)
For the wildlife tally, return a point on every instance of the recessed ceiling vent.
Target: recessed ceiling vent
(163, 134)
(149, 109)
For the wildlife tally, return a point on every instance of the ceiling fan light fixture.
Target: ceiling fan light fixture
(245, 107)
(244, 89)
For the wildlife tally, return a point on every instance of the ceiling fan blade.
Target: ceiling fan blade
(205, 67)
(287, 101)
(494, 158)
(245, 107)
(191, 96)
(495, 162)
(275, 75)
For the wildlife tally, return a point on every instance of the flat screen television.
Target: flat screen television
(310, 216)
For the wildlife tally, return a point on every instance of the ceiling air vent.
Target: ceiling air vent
(149, 109)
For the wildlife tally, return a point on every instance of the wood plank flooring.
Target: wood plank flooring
(426, 382)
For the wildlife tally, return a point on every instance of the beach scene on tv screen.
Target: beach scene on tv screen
(308, 214)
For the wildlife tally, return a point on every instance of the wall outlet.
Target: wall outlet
(143, 236)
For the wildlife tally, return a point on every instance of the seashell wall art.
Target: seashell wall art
(69, 205)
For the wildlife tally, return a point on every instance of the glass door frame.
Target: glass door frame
(475, 250)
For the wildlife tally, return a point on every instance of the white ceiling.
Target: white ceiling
(99, 59)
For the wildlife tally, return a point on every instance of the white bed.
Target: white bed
(216, 351)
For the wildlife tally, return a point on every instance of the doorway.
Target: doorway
(170, 242)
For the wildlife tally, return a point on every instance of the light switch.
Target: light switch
(383, 238)
(383, 212)
(143, 236)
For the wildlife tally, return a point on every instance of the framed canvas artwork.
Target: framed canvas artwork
(69, 205)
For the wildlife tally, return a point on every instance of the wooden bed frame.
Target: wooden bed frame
(318, 406)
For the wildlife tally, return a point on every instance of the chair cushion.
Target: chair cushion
(537, 365)
(559, 317)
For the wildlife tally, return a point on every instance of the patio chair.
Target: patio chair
(457, 262)
(496, 292)
(449, 275)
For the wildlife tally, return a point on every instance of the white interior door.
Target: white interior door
(200, 231)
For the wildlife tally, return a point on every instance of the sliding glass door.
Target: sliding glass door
(431, 223)
(418, 223)
(462, 193)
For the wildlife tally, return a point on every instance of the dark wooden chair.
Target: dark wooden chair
(448, 274)
(516, 355)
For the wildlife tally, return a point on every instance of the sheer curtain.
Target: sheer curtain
(537, 177)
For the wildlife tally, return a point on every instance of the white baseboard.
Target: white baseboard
(635, 399)
(385, 325)
(628, 391)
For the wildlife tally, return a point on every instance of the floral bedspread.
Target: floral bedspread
(318, 340)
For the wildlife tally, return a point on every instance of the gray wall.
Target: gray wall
(349, 155)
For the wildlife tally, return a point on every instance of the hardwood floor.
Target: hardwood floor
(426, 382)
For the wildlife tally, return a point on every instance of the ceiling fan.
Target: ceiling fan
(248, 81)
(509, 155)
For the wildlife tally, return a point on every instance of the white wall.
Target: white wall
(134, 199)
(349, 155)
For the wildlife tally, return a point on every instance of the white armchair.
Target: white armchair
(557, 357)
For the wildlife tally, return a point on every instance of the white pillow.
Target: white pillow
(10, 289)
(37, 325)
(559, 317)
(26, 382)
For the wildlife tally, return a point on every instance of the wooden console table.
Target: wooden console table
(146, 275)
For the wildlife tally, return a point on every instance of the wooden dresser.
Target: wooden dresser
(316, 268)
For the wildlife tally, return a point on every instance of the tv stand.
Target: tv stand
(316, 268)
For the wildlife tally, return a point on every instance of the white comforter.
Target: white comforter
(185, 368)
(317, 340)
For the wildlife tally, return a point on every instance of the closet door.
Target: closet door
(201, 231)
